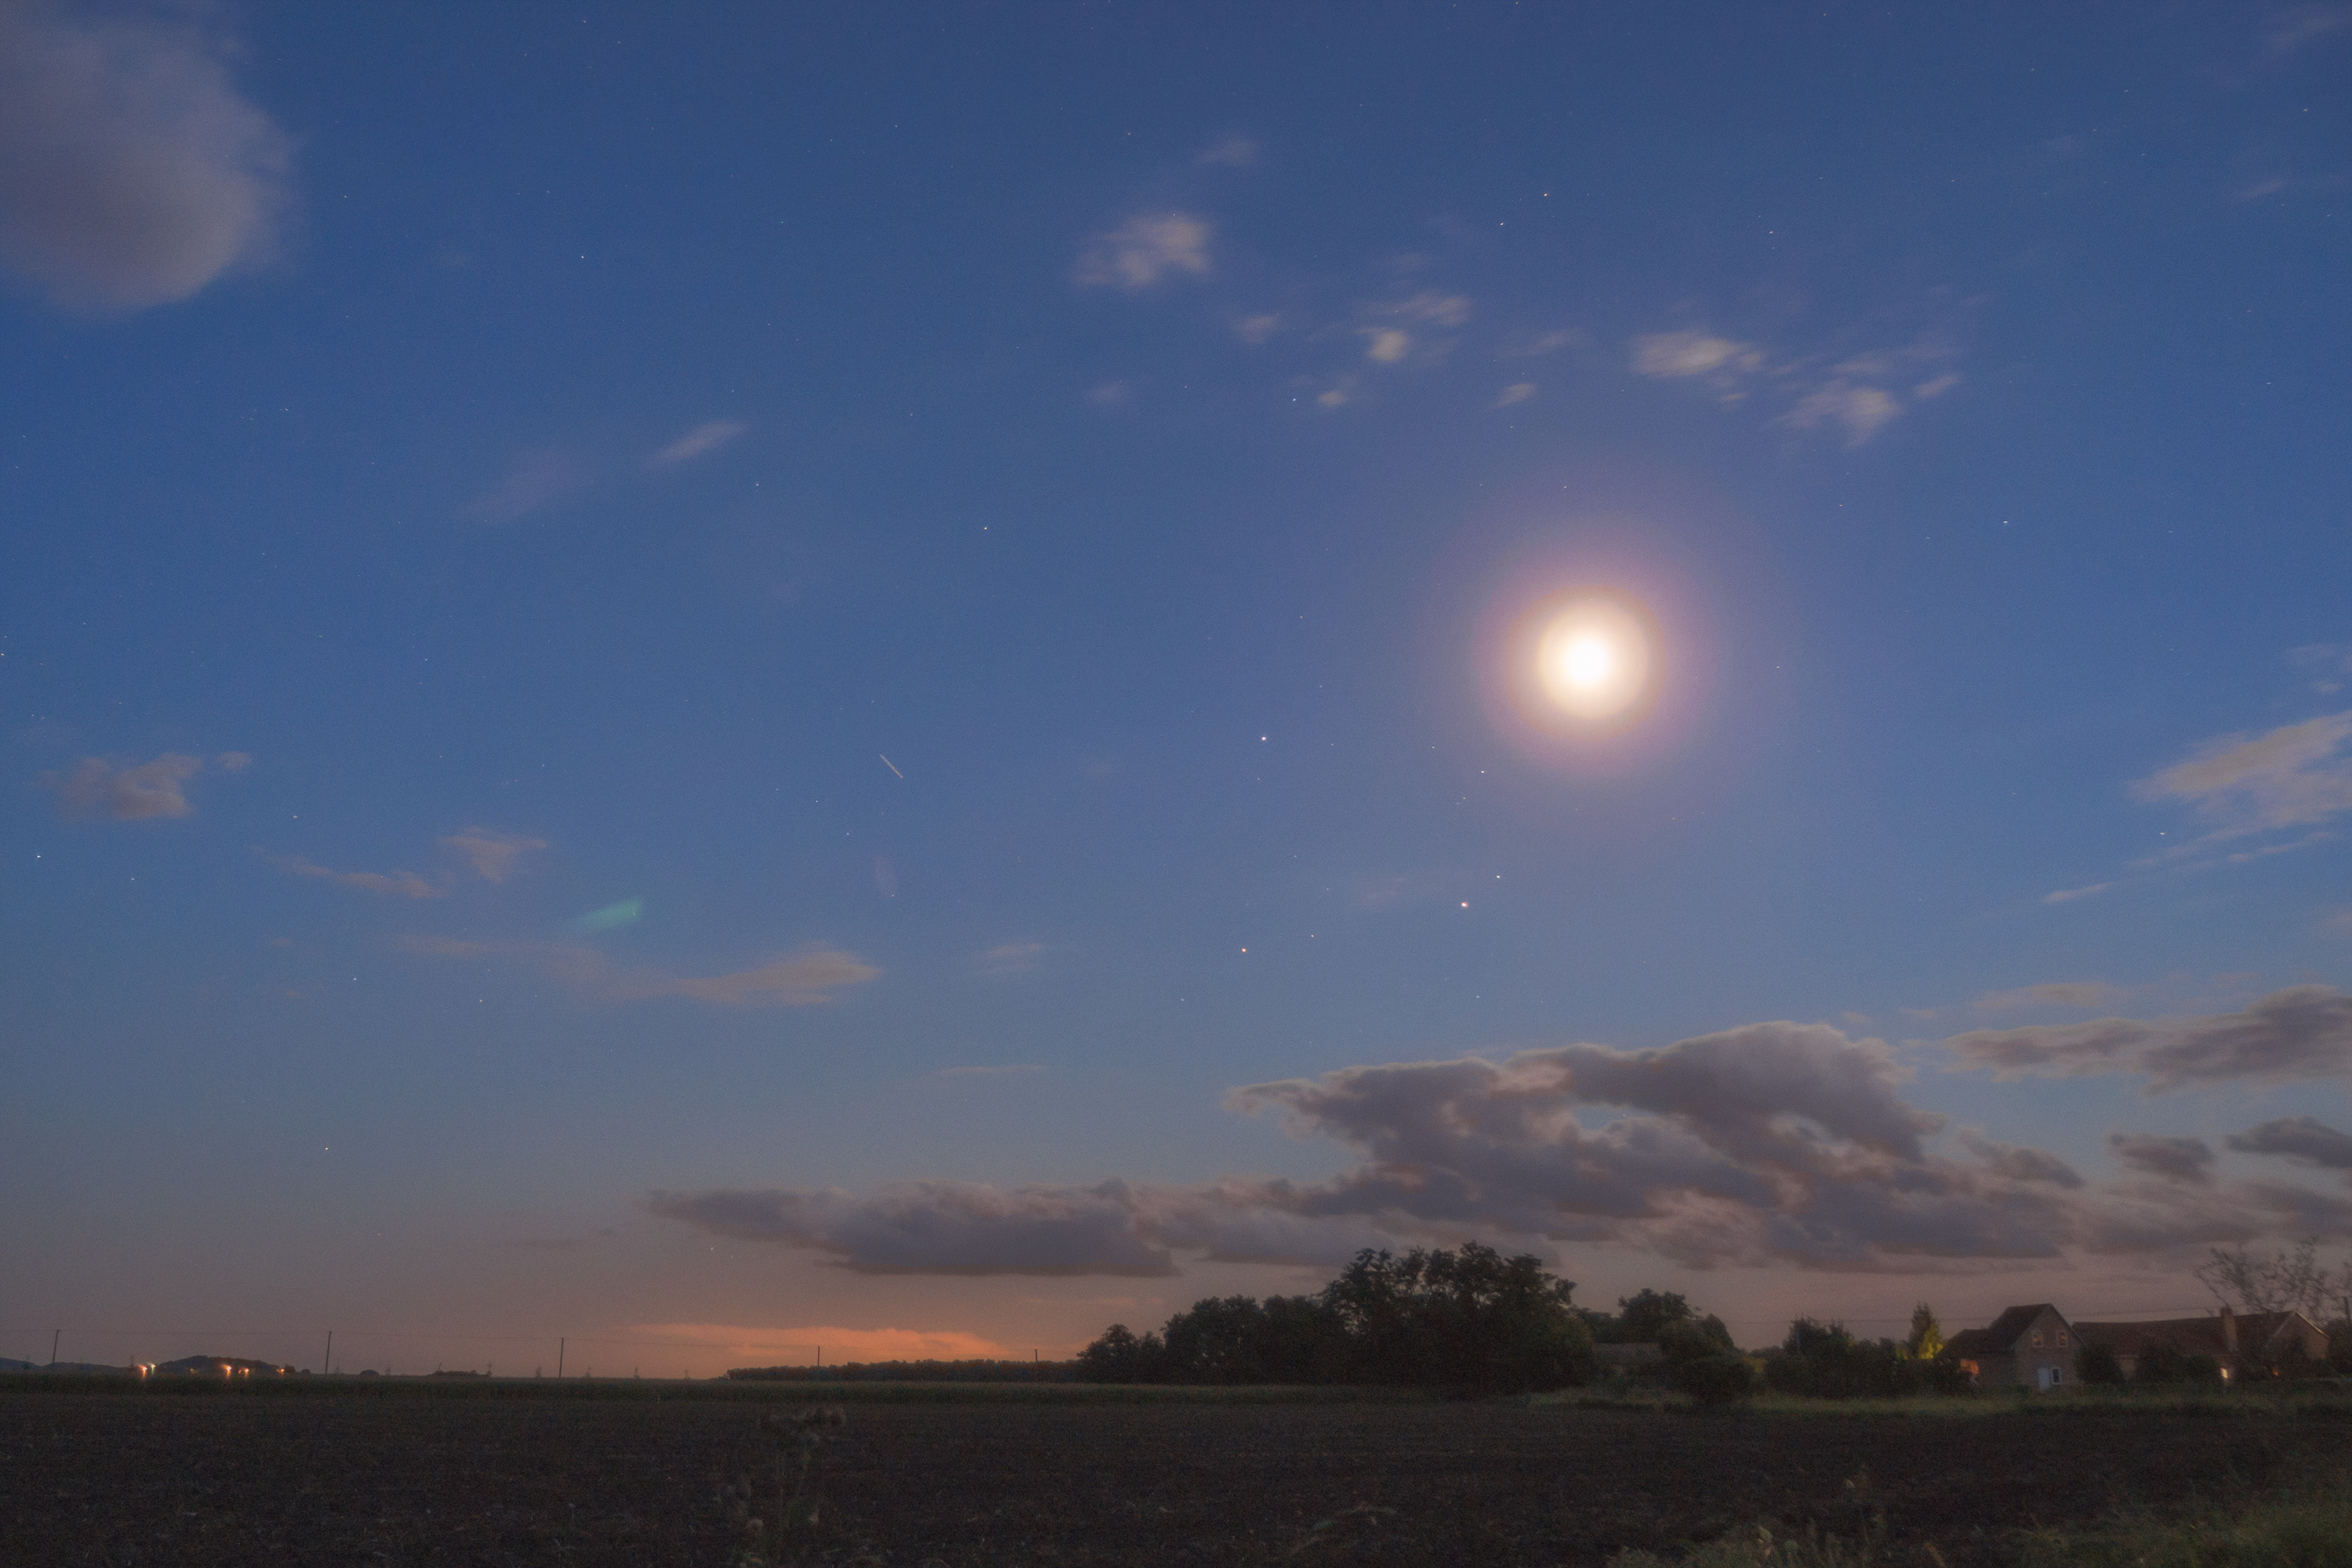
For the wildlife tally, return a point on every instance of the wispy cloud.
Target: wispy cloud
(1002, 1069)
(393, 885)
(129, 792)
(2327, 665)
(2294, 26)
(795, 1344)
(2058, 993)
(1543, 343)
(2293, 776)
(1518, 392)
(1256, 329)
(2168, 1158)
(804, 978)
(1108, 394)
(1231, 151)
(132, 173)
(1679, 355)
(1011, 958)
(1852, 396)
(2303, 1138)
(534, 479)
(2069, 894)
(1859, 411)
(1144, 250)
(2302, 1033)
(699, 442)
(491, 854)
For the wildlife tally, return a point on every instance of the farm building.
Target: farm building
(2235, 1341)
(2025, 1347)
(218, 1366)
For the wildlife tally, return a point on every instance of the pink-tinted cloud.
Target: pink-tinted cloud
(393, 885)
(491, 854)
(129, 792)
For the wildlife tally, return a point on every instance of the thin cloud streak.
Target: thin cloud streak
(699, 442)
(805, 979)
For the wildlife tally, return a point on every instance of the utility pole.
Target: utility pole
(558, 1358)
(328, 1364)
(53, 1345)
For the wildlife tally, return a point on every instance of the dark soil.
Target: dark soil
(132, 1480)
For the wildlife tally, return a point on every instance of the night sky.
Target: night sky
(729, 681)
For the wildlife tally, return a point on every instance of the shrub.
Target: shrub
(1715, 1379)
(2096, 1363)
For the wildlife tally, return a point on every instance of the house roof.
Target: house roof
(2000, 1336)
(2193, 1336)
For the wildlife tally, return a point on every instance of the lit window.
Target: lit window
(2061, 1339)
(2037, 1339)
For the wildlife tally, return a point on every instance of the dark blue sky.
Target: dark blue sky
(707, 679)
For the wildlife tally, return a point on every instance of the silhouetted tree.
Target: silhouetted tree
(2096, 1363)
(1927, 1339)
(1470, 1319)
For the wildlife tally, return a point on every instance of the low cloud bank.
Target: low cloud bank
(2301, 1032)
(1773, 1143)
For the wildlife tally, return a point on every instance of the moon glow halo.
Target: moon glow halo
(1593, 656)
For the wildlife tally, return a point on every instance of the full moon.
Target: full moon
(1593, 659)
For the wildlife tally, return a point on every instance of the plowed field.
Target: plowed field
(132, 1480)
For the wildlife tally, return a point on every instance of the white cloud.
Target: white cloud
(1256, 329)
(534, 479)
(1385, 345)
(1937, 386)
(1144, 250)
(1108, 394)
(2069, 894)
(1860, 410)
(2293, 776)
(491, 854)
(699, 442)
(1518, 392)
(131, 173)
(1233, 151)
(233, 761)
(1690, 354)
(128, 793)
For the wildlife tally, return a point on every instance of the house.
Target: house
(2025, 1347)
(2241, 1344)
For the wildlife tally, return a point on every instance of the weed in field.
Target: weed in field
(765, 1541)
(1340, 1535)
(1759, 1547)
(2312, 1528)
